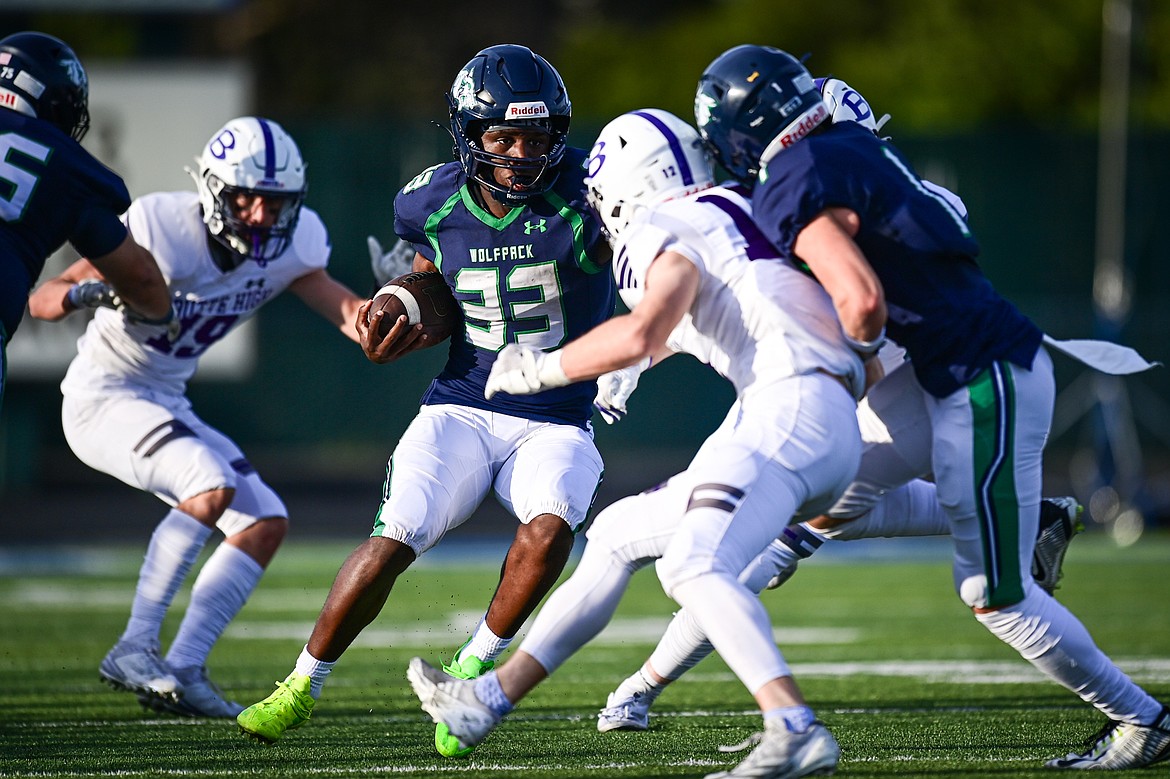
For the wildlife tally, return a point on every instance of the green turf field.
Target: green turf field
(909, 683)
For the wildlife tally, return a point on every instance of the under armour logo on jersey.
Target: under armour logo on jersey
(254, 283)
(529, 226)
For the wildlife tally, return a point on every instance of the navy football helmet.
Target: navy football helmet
(509, 85)
(753, 101)
(41, 76)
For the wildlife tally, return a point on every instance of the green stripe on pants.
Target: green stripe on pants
(993, 416)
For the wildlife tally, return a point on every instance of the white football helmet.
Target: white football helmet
(847, 105)
(640, 159)
(254, 155)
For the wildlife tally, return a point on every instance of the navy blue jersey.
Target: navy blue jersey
(942, 308)
(51, 191)
(530, 278)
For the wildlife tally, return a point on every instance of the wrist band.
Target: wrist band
(867, 348)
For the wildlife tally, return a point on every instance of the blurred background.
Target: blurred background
(1051, 120)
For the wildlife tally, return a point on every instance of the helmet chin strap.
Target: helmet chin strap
(225, 258)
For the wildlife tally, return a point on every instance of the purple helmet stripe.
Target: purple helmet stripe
(269, 150)
(675, 147)
(758, 247)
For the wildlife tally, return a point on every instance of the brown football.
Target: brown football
(422, 297)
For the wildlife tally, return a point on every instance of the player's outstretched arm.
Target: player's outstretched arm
(133, 273)
(672, 282)
(51, 300)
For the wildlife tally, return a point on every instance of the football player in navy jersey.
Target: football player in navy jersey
(699, 278)
(52, 190)
(869, 510)
(507, 225)
(850, 206)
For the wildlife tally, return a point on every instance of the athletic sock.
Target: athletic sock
(802, 539)
(796, 719)
(489, 692)
(642, 684)
(316, 670)
(174, 547)
(484, 644)
(1051, 638)
(224, 584)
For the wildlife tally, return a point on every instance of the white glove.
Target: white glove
(522, 370)
(392, 264)
(91, 293)
(614, 389)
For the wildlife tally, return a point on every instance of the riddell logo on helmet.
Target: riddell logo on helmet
(526, 111)
(805, 126)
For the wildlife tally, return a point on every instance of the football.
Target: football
(422, 297)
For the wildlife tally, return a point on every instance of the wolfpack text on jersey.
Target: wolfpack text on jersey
(511, 276)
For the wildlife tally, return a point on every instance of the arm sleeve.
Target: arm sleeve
(98, 232)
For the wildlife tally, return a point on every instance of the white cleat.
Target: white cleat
(139, 668)
(201, 697)
(1119, 746)
(451, 702)
(629, 713)
(782, 754)
(1060, 520)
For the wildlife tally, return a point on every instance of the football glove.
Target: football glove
(392, 264)
(91, 293)
(614, 389)
(522, 370)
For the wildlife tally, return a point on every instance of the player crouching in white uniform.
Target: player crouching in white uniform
(695, 271)
(224, 251)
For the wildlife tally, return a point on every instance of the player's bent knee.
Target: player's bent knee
(546, 530)
(675, 569)
(385, 556)
(208, 507)
(261, 539)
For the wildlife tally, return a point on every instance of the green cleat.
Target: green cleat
(287, 708)
(447, 745)
(470, 667)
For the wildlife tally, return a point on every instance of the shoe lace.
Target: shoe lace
(624, 708)
(1102, 738)
(286, 691)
